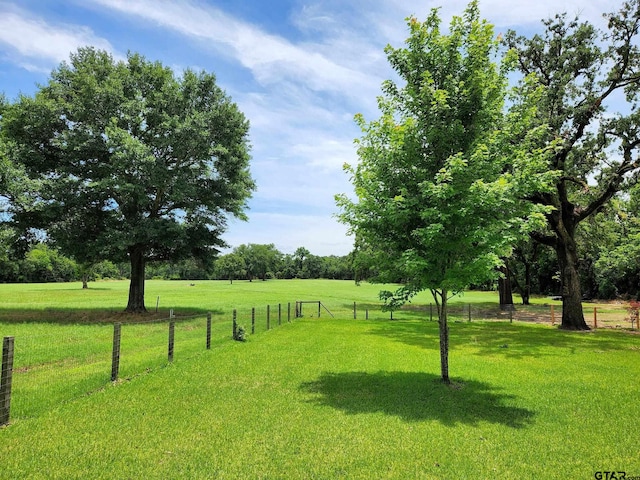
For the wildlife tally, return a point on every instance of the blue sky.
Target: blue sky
(298, 69)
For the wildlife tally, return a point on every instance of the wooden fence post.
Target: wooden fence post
(209, 331)
(279, 314)
(172, 328)
(595, 317)
(268, 317)
(469, 312)
(115, 354)
(354, 311)
(5, 379)
(288, 312)
(253, 320)
(553, 317)
(318, 309)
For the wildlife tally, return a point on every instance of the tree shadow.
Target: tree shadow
(416, 397)
(510, 340)
(91, 316)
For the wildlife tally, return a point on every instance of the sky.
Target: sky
(300, 70)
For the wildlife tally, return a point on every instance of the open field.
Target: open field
(321, 398)
(104, 301)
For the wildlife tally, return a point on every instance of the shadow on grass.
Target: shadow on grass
(90, 316)
(510, 340)
(417, 397)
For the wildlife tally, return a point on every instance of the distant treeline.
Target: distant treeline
(612, 272)
(42, 263)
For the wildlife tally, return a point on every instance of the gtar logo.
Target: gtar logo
(611, 475)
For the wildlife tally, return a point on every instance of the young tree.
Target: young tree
(433, 190)
(583, 73)
(126, 160)
(230, 266)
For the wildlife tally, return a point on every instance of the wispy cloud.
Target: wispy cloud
(271, 58)
(37, 45)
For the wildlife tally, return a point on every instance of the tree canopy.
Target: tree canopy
(589, 82)
(124, 160)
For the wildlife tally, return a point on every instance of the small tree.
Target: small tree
(126, 161)
(230, 266)
(434, 201)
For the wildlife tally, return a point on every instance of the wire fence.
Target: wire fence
(617, 315)
(63, 362)
(53, 364)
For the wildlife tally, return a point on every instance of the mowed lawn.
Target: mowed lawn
(344, 398)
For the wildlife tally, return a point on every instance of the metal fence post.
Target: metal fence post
(172, 328)
(5, 379)
(115, 354)
(209, 331)
(253, 320)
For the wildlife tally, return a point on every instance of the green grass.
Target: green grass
(338, 398)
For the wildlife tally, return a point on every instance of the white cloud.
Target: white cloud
(270, 58)
(37, 45)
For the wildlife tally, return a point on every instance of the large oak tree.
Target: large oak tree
(124, 159)
(590, 82)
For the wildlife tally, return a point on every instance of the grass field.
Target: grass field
(322, 398)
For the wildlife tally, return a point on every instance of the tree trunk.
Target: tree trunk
(85, 280)
(526, 291)
(504, 289)
(444, 333)
(572, 314)
(136, 287)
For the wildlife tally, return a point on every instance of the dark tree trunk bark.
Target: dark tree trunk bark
(136, 287)
(85, 281)
(526, 290)
(572, 314)
(504, 289)
(441, 303)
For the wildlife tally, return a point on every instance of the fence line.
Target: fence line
(49, 369)
(42, 370)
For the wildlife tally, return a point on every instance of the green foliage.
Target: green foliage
(230, 266)
(44, 264)
(123, 160)
(260, 260)
(240, 334)
(582, 75)
(436, 199)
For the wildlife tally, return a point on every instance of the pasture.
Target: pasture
(318, 397)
